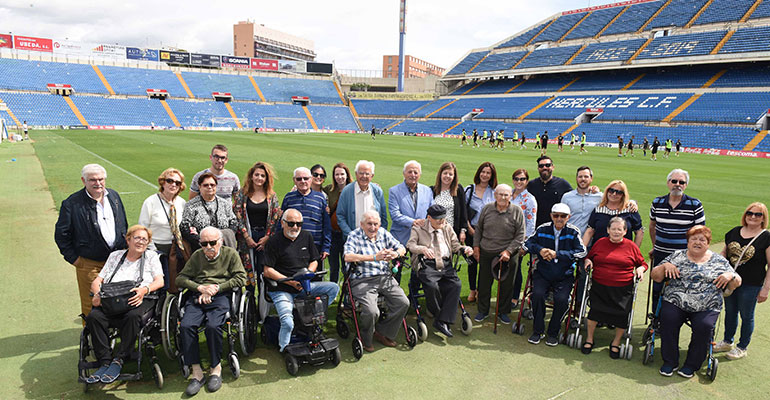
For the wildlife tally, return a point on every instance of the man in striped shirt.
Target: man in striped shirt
(312, 206)
(671, 216)
(370, 248)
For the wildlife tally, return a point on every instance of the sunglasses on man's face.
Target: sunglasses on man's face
(302, 178)
(559, 215)
(211, 243)
(292, 224)
(678, 182)
(544, 165)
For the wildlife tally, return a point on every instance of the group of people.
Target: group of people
(229, 235)
(497, 140)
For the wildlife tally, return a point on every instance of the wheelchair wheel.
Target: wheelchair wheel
(169, 326)
(85, 347)
(712, 371)
(528, 314)
(647, 354)
(411, 336)
(571, 340)
(422, 329)
(292, 366)
(247, 324)
(336, 357)
(517, 328)
(467, 325)
(235, 365)
(343, 330)
(358, 348)
(629, 351)
(647, 334)
(157, 375)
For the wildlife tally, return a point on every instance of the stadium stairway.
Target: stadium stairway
(309, 117)
(76, 111)
(170, 113)
(256, 88)
(10, 113)
(694, 97)
(752, 144)
(652, 18)
(232, 114)
(184, 85)
(399, 121)
(103, 79)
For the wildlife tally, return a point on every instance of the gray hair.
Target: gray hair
(213, 229)
(412, 162)
(364, 163)
(678, 171)
(92, 169)
(301, 169)
(370, 214)
(286, 213)
(502, 187)
(616, 219)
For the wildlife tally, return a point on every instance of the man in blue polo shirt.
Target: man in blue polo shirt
(671, 216)
(312, 206)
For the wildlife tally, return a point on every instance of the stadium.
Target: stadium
(697, 71)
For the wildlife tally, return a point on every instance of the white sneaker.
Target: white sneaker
(736, 353)
(722, 346)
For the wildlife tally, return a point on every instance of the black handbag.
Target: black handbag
(471, 212)
(114, 295)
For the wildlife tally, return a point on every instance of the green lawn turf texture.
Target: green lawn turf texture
(38, 340)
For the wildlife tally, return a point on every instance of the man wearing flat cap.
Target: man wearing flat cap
(557, 245)
(436, 241)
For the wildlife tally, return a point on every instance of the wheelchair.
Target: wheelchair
(148, 339)
(416, 293)
(308, 344)
(569, 319)
(240, 323)
(346, 309)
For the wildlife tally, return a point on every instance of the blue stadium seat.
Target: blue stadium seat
(282, 89)
(682, 77)
(333, 117)
(609, 51)
(745, 76)
(631, 107)
(203, 84)
(677, 13)
(748, 40)
(524, 38)
(387, 107)
(557, 29)
(594, 23)
(762, 11)
(40, 108)
(467, 63)
(500, 61)
(506, 107)
(745, 108)
(548, 57)
(377, 122)
(633, 18)
(724, 10)
(35, 75)
(690, 44)
(136, 81)
(129, 112)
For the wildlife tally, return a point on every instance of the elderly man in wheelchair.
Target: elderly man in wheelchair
(211, 274)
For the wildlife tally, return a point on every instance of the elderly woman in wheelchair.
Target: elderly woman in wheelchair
(134, 275)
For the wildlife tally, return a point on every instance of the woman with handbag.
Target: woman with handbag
(341, 175)
(161, 213)
(747, 247)
(477, 195)
(122, 293)
(257, 209)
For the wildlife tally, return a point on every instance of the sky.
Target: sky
(352, 34)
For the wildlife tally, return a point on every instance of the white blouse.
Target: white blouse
(154, 216)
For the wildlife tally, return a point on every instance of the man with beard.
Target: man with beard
(671, 216)
(547, 189)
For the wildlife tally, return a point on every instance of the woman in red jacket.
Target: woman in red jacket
(616, 261)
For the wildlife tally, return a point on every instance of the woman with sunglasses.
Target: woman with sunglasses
(162, 214)
(615, 202)
(208, 209)
(528, 204)
(341, 176)
(747, 247)
(257, 209)
(319, 177)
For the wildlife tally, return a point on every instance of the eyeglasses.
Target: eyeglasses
(754, 214)
(209, 185)
(140, 239)
(173, 182)
(559, 215)
(302, 178)
(211, 243)
(292, 224)
(678, 182)
(319, 175)
(218, 157)
(544, 165)
(522, 179)
(615, 191)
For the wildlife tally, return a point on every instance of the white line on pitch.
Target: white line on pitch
(140, 179)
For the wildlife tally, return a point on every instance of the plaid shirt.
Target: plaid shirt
(359, 243)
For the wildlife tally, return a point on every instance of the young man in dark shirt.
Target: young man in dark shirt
(547, 189)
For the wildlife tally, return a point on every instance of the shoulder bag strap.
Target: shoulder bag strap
(122, 259)
(745, 248)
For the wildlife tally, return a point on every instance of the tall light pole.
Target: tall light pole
(402, 33)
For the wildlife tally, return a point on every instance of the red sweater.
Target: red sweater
(614, 263)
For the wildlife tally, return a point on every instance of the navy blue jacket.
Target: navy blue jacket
(77, 231)
(571, 248)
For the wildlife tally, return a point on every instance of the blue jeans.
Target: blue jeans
(284, 305)
(743, 301)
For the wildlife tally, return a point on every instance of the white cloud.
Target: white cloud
(353, 34)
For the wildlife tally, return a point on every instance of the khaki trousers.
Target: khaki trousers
(86, 270)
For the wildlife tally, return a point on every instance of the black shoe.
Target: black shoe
(552, 341)
(443, 328)
(214, 383)
(194, 387)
